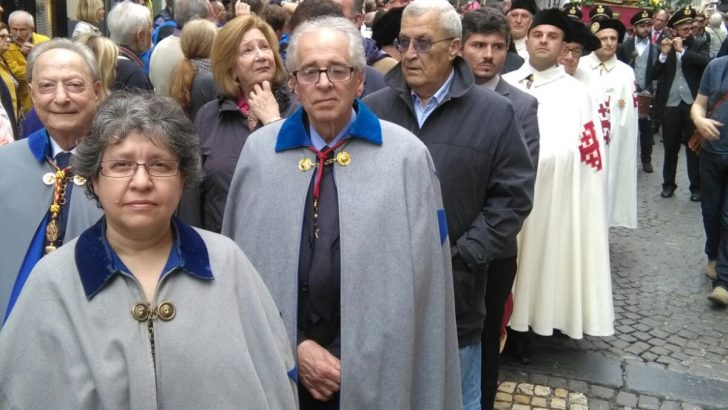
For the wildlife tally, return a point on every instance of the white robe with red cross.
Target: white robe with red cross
(612, 85)
(563, 279)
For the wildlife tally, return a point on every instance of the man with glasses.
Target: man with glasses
(612, 85)
(565, 239)
(341, 214)
(485, 45)
(24, 39)
(679, 67)
(47, 207)
(476, 141)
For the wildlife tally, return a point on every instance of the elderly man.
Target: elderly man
(168, 52)
(131, 29)
(641, 56)
(45, 209)
(22, 29)
(485, 45)
(519, 19)
(658, 32)
(486, 172)
(354, 230)
(612, 82)
(679, 68)
(563, 280)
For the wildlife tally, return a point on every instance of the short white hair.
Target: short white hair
(449, 19)
(22, 15)
(125, 20)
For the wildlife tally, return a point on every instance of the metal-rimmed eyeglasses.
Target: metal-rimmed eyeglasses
(122, 168)
(421, 45)
(575, 51)
(335, 74)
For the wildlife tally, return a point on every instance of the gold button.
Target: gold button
(140, 311)
(305, 164)
(166, 311)
(343, 158)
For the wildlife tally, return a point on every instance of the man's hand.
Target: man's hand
(677, 44)
(319, 370)
(26, 47)
(665, 46)
(708, 128)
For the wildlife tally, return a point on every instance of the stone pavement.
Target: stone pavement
(670, 348)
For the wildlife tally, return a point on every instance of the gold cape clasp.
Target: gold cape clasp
(343, 158)
(305, 164)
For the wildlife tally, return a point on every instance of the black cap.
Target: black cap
(684, 15)
(600, 12)
(386, 27)
(616, 25)
(641, 16)
(553, 17)
(573, 11)
(582, 35)
(528, 5)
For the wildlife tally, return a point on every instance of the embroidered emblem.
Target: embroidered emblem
(621, 104)
(595, 27)
(589, 147)
(604, 113)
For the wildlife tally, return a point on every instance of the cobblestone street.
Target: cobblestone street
(670, 348)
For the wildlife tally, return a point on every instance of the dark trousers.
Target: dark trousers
(677, 127)
(501, 273)
(646, 140)
(714, 204)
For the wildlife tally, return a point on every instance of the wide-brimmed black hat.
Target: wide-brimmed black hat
(573, 11)
(600, 12)
(641, 16)
(386, 27)
(582, 35)
(553, 17)
(528, 5)
(684, 15)
(617, 25)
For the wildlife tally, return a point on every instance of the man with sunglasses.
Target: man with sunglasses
(679, 68)
(479, 152)
(342, 216)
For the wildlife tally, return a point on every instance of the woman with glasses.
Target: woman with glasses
(251, 79)
(142, 311)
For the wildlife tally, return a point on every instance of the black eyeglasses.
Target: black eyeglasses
(421, 45)
(121, 168)
(335, 74)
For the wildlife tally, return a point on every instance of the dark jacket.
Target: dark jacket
(222, 131)
(130, 74)
(486, 176)
(694, 60)
(628, 50)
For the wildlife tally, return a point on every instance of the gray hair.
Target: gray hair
(63, 43)
(715, 19)
(153, 116)
(125, 20)
(339, 24)
(186, 10)
(449, 20)
(23, 15)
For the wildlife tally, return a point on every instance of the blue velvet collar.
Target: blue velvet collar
(97, 263)
(40, 145)
(293, 133)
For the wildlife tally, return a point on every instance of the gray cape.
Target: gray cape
(23, 205)
(398, 333)
(65, 347)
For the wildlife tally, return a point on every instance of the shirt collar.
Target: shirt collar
(42, 146)
(318, 141)
(439, 95)
(293, 132)
(98, 263)
(540, 78)
(594, 62)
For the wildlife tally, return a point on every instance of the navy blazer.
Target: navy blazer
(526, 107)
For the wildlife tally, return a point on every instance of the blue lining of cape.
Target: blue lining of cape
(40, 145)
(96, 265)
(442, 223)
(293, 133)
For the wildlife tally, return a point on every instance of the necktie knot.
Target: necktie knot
(63, 159)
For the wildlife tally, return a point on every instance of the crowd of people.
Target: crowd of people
(332, 204)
